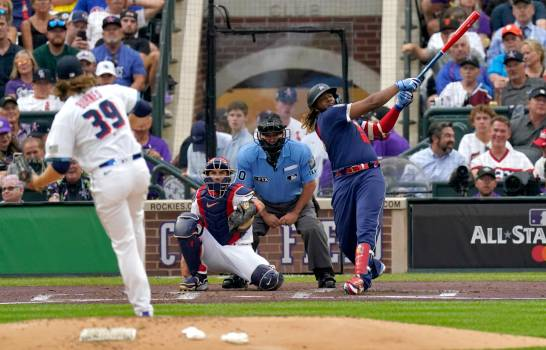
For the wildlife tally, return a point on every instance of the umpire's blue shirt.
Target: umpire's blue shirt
(295, 167)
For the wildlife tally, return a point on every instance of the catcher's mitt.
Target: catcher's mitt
(22, 169)
(242, 216)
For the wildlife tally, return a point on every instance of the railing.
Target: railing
(162, 167)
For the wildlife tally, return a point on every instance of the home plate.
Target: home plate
(108, 334)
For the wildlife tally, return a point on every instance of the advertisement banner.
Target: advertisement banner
(478, 235)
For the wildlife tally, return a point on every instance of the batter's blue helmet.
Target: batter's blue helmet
(317, 90)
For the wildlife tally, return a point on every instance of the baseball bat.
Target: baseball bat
(463, 28)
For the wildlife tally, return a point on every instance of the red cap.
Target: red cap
(511, 29)
(541, 140)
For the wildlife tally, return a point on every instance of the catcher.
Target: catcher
(217, 233)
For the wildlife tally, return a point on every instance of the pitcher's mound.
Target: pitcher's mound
(264, 333)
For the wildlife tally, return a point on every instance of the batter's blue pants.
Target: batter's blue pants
(358, 209)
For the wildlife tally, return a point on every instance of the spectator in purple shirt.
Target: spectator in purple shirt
(20, 83)
(392, 145)
(141, 122)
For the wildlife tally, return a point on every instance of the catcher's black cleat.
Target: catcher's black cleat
(234, 282)
(198, 282)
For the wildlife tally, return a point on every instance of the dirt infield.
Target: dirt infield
(289, 291)
(266, 333)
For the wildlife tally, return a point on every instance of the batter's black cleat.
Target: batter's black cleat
(198, 282)
(234, 282)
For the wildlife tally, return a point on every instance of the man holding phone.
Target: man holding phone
(77, 28)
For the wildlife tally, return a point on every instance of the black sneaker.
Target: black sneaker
(234, 282)
(327, 281)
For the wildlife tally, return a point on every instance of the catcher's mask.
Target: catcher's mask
(270, 125)
(217, 185)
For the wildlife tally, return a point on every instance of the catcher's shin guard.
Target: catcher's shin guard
(191, 249)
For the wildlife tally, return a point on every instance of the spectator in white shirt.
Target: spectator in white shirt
(285, 107)
(540, 164)
(476, 143)
(42, 97)
(499, 157)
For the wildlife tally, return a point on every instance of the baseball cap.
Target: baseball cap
(287, 95)
(472, 60)
(142, 109)
(111, 20)
(514, 2)
(43, 74)
(78, 16)
(541, 140)
(56, 23)
(129, 13)
(513, 56)
(105, 67)
(486, 171)
(198, 136)
(7, 99)
(449, 24)
(538, 91)
(511, 29)
(4, 126)
(86, 55)
(68, 67)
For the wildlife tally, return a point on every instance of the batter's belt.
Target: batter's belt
(356, 168)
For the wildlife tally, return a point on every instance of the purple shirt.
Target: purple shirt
(392, 146)
(18, 88)
(160, 146)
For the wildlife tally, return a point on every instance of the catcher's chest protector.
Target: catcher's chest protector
(215, 212)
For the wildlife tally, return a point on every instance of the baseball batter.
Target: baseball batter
(217, 233)
(92, 127)
(359, 187)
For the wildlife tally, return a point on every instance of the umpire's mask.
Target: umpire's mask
(271, 136)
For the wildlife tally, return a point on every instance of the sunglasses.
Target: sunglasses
(56, 23)
(9, 188)
(3, 12)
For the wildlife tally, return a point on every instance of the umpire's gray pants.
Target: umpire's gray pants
(307, 225)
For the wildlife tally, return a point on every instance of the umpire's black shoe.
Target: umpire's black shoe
(325, 277)
(234, 282)
(327, 281)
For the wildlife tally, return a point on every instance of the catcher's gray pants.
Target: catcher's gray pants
(308, 225)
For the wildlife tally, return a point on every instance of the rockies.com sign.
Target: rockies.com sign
(478, 235)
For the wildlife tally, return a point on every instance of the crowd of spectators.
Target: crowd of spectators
(109, 39)
(498, 62)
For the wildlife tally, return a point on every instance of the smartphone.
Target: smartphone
(82, 34)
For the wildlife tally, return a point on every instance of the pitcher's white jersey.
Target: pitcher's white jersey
(93, 127)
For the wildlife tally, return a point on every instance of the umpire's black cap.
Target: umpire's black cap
(69, 67)
(270, 122)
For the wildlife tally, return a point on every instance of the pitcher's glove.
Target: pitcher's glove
(242, 217)
(22, 169)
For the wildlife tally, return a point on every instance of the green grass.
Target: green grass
(419, 277)
(510, 317)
